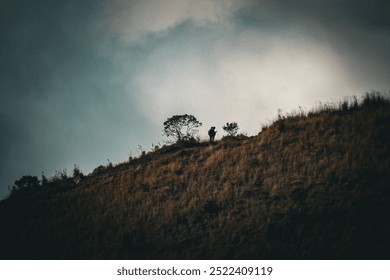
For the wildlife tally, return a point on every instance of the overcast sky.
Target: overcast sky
(85, 81)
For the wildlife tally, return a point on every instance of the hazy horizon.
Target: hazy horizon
(83, 82)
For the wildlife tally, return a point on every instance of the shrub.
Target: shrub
(27, 182)
(77, 172)
(231, 128)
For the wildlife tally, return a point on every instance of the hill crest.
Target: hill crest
(309, 186)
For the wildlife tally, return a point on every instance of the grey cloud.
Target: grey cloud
(61, 102)
(358, 32)
(371, 14)
(135, 20)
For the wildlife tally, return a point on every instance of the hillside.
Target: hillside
(309, 186)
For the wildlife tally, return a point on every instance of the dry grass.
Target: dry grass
(311, 185)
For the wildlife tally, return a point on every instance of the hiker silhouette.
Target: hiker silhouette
(212, 133)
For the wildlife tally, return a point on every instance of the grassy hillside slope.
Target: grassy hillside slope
(309, 186)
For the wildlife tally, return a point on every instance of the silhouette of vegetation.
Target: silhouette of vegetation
(231, 128)
(77, 172)
(27, 182)
(78, 176)
(24, 185)
(319, 189)
(182, 127)
(44, 179)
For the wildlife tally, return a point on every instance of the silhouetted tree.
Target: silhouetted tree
(77, 171)
(44, 179)
(181, 127)
(27, 182)
(78, 176)
(231, 128)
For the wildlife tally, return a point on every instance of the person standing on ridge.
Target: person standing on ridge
(212, 134)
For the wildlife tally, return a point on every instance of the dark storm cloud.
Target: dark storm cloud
(60, 102)
(355, 25)
(358, 32)
(370, 14)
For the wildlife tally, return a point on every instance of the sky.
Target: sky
(87, 82)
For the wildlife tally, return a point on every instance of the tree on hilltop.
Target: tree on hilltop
(181, 127)
(27, 182)
(231, 128)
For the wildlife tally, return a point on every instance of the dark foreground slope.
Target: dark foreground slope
(307, 187)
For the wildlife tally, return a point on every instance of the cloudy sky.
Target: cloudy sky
(85, 81)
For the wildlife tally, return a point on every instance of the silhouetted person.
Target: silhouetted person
(212, 133)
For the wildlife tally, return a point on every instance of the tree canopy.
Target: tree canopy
(231, 128)
(181, 127)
